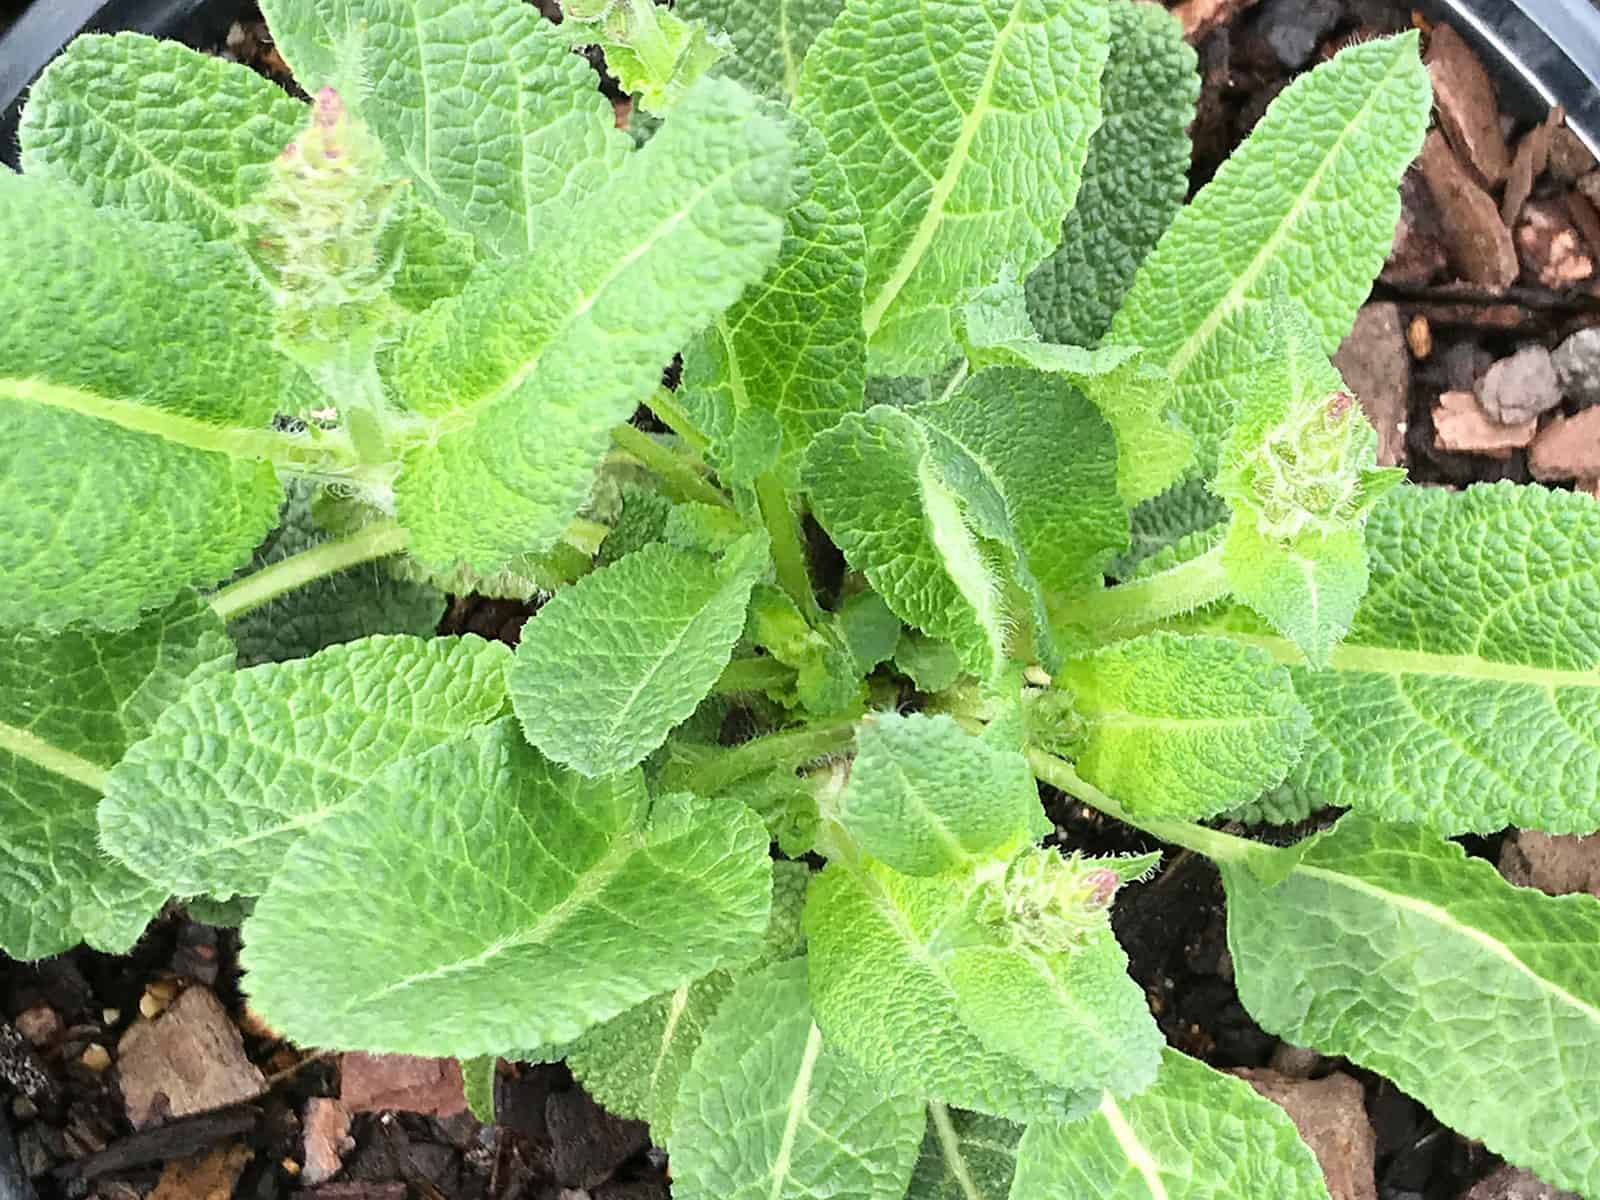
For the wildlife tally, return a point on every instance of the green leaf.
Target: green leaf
(519, 379)
(654, 53)
(1134, 180)
(930, 664)
(611, 664)
(1387, 945)
(1184, 726)
(477, 1080)
(1196, 1134)
(477, 897)
(1307, 586)
(70, 706)
(1311, 194)
(965, 1156)
(1183, 509)
(977, 172)
(770, 40)
(244, 764)
(770, 1111)
(925, 796)
(635, 1062)
(126, 473)
(791, 354)
(499, 125)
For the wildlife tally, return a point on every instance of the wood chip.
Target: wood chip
(382, 1082)
(1533, 152)
(1479, 244)
(1464, 98)
(1462, 427)
(1570, 159)
(1550, 247)
(1585, 218)
(1567, 448)
(188, 1060)
(207, 1176)
(1331, 1115)
(1556, 864)
(1513, 1183)
(326, 1140)
(1417, 255)
(1374, 362)
(1419, 337)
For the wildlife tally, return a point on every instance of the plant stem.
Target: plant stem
(753, 675)
(377, 540)
(675, 471)
(788, 545)
(1168, 593)
(788, 747)
(670, 413)
(950, 1144)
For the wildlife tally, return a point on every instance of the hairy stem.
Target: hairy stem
(790, 747)
(1168, 593)
(377, 540)
(676, 472)
(671, 414)
(788, 545)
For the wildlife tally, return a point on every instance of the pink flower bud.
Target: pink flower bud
(1102, 886)
(329, 107)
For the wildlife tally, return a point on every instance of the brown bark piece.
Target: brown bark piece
(1520, 387)
(1464, 98)
(1570, 159)
(1480, 246)
(326, 1140)
(379, 1082)
(1585, 218)
(188, 1060)
(1416, 256)
(1550, 247)
(1374, 362)
(1332, 1118)
(1200, 17)
(1461, 426)
(1513, 1183)
(1533, 153)
(1567, 448)
(1556, 864)
(393, 1189)
(207, 1176)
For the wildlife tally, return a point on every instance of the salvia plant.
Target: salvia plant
(991, 463)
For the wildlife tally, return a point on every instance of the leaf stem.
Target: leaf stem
(950, 1146)
(671, 414)
(377, 540)
(790, 746)
(1179, 589)
(681, 478)
(788, 545)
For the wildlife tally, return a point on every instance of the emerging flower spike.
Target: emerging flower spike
(1048, 902)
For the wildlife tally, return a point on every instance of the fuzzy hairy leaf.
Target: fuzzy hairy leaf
(770, 40)
(481, 102)
(965, 1156)
(118, 472)
(1184, 726)
(1387, 945)
(478, 896)
(70, 705)
(1195, 1133)
(519, 378)
(770, 1111)
(244, 764)
(1134, 179)
(611, 664)
(1311, 196)
(963, 130)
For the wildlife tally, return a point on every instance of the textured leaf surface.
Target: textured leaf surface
(521, 377)
(1134, 179)
(925, 796)
(611, 664)
(770, 40)
(1184, 726)
(244, 764)
(769, 1111)
(791, 354)
(113, 475)
(965, 1156)
(1196, 1134)
(1387, 945)
(481, 102)
(478, 897)
(963, 130)
(1311, 195)
(70, 706)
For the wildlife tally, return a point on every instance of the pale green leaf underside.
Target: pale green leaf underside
(1311, 195)
(770, 37)
(1387, 945)
(965, 1156)
(480, 102)
(244, 764)
(612, 663)
(521, 376)
(1195, 1134)
(963, 130)
(478, 897)
(69, 706)
(770, 1111)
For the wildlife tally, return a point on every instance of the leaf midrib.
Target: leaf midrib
(52, 758)
(1383, 660)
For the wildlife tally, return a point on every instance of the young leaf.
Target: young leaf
(1312, 193)
(770, 40)
(1184, 726)
(963, 132)
(482, 103)
(477, 1081)
(126, 473)
(1196, 1134)
(925, 796)
(1387, 945)
(770, 1111)
(965, 1156)
(655, 54)
(1134, 179)
(611, 664)
(477, 897)
(243, 764)
(519, 379)
(791, 353)
(70, 706)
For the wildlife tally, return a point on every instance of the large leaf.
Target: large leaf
(501, 127)
(770, 39)
(518, 380)
(137, 387)
(70, 706)
(1387, 945)
(965, 1156)
(963, 130)
(1134, 179)
(1311, 195)
(243, 764)
(1195, 1134)
(478, 897)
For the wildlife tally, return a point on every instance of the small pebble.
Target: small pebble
(39, 1025)
(1577, 366)
(1419, 336)
(95, 1057)
(1519, 388)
